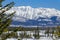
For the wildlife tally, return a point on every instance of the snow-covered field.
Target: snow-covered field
(44, 37)
(41, 38)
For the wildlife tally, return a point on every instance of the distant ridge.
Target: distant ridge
(28, 16)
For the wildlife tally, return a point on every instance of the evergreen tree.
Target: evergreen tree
(57, 32)
(5, 20)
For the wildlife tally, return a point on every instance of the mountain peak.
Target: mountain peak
(24, 13)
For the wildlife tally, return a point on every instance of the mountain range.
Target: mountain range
(28, 16)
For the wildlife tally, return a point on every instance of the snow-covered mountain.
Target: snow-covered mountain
(25, 13)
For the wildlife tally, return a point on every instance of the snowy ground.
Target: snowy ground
(41, 38)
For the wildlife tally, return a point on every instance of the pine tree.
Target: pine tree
(5, 20)
(57, 32)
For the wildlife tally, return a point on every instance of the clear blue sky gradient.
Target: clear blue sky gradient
(36, 3)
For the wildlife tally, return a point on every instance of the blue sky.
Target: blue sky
(36, 3)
